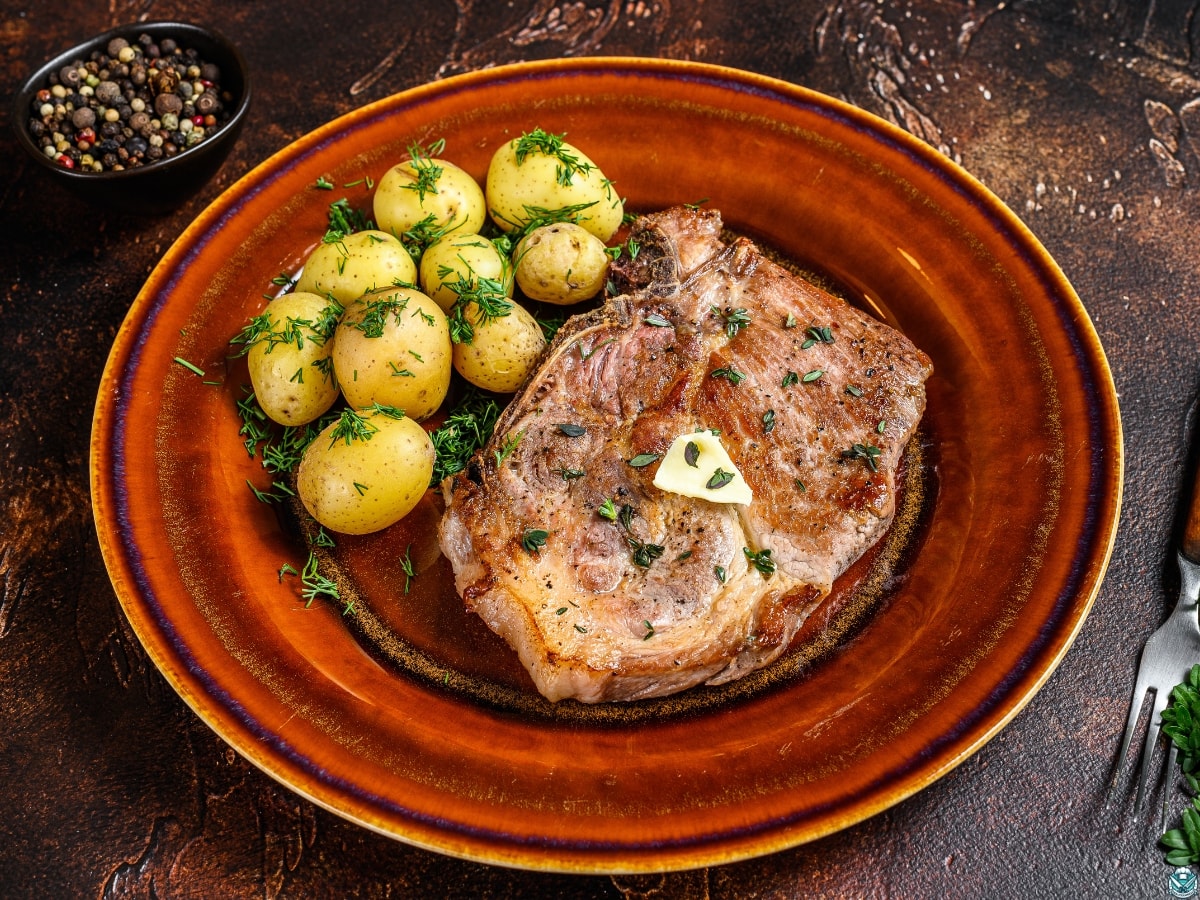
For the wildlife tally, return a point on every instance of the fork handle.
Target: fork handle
(1191, 530)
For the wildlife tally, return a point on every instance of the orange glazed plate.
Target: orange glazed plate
(412, 719)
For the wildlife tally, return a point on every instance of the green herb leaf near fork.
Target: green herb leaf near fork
(1181, 724)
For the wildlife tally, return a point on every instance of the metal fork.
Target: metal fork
(1167, 657)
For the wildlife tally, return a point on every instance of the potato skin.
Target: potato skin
(503, 351)
(290, 367)
(358, 263)
(561, 264)
(362, 485)
(459, 259)
(518, 182)
(393, 348)
(454, 199)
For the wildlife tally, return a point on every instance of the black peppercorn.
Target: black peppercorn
(131, 83)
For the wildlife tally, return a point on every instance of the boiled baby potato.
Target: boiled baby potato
(503, 351)
(365, 471)
(289, 358)
(561, 264)
(539, 175)
(355, 264)
(393, 348)
(426, 198)
(459, 265)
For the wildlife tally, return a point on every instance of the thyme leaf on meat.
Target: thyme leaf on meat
(570, 429)
(608, 510)
(854, 390)
(568, 474)
(768, 421)
(761, 561)
(735, 319)
(534, 539)
(790, 379)
(810, 377)
(735, 377)
(649, 630)
(642, 460)
(818, 335)
(657, 320)
(868, 453)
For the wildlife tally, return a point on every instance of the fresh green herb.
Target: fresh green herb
(586, 354)
(761, 561)
(881, 427)
(823, 335)
(507, 446)
(286, 569)
(1183, 843)
(735, 319)
(568, 474)
(790, 321)
(361, 488)
(344, 219)
(608, 510)
(643, 459)
(534, 539)
(657, 321)
(625, 516)
(810, 377)
(735, 377)
(478, 301)
(1181, 724)
(539, 141)
(191, 367)
(649, 630)
(406, 566)
(800, 486)
(313, 585)
(633, 247)
(684, 555)
(854, 390)
(868, 453)
(276, 493)
(467, 427)
(398, 372)
(425, 170)
(644, 554)
(571, 430)
(324, 184)
(791, 378)
(768, 421)
(719, 479)
(351, 426)
(691, 454)
(720, 573)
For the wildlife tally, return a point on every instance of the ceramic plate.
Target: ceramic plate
(409, 717)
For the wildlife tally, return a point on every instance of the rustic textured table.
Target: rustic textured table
(1084, 117)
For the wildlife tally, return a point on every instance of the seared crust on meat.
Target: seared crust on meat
(668, 595)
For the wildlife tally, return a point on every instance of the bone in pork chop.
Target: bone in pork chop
(813, 399)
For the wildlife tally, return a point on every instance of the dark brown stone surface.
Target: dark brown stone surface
(1083, 117)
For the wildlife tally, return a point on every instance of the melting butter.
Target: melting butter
(705, 472)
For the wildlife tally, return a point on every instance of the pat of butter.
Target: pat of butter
(677, 474)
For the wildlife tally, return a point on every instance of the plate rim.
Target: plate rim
(1104, 420)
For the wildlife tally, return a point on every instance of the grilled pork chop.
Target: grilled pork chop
(609, 588)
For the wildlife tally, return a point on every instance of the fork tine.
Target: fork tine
(1152, 730)
(1172, 755)
(1135, 712)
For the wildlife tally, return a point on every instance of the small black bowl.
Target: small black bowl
(160, 186)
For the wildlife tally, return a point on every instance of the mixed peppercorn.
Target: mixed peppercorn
(128, 105)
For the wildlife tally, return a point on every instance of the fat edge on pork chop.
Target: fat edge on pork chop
(609, 588)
